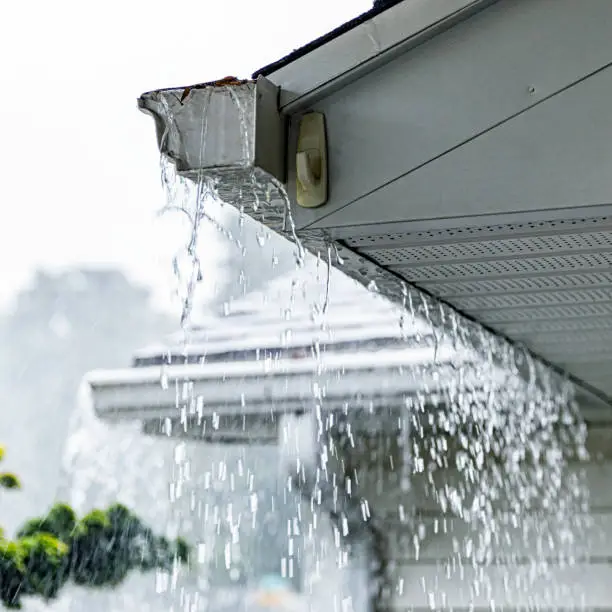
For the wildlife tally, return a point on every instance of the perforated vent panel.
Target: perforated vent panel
(504, 267)
(492, 249)
(523, 284)
(546, 284)
(481, 232)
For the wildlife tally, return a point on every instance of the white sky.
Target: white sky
(78, 163)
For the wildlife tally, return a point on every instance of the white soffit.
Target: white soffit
(476, 166)
(362, 48)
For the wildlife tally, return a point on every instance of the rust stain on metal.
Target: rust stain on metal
(185, 93)
(228, 81)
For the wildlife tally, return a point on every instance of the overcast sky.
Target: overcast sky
(80, 179)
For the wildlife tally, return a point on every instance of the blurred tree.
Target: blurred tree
(98, 550)
(59, 327)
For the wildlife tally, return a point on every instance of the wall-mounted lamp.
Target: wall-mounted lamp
(311, 161)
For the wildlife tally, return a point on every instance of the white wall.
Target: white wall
(547, 558)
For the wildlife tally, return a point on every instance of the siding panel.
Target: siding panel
(534, 563)
(508, 588)
(444, 537)
(432, 492)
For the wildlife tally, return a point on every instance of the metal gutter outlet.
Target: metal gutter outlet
(223, 127)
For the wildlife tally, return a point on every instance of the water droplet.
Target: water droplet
(163, 378)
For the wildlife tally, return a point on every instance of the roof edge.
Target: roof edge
(361, 45)
(377, 9)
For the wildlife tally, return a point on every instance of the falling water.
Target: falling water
(105, 464)
(474, 498)
(464, 492)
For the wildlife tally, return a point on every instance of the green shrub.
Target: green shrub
(99, 550)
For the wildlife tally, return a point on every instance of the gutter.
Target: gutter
(289, 386)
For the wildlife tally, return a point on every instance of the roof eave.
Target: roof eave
(360, 46)
(151, 392)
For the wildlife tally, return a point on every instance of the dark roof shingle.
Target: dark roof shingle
(378, 7)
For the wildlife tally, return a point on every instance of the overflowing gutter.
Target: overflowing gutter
(408, 63)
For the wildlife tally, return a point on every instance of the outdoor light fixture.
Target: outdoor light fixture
(311, 161)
